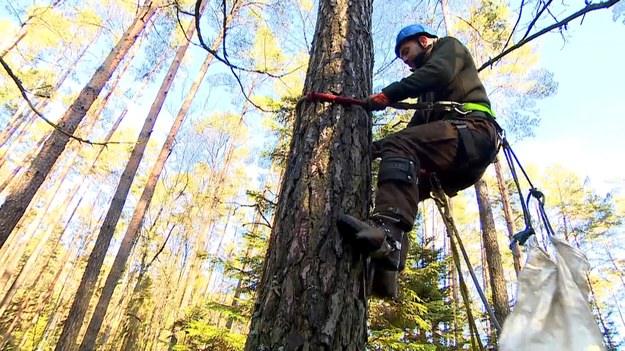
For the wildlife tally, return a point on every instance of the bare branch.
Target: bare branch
(564, 22)
(540, 12)
(22, 90)
(161, 248)
(516, 23)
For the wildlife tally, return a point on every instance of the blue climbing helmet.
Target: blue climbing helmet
(411, 31)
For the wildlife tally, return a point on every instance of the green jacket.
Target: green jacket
(446, 72)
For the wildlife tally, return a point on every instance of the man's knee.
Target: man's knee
(398, 169)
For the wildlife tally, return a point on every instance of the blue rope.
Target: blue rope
(522, 236)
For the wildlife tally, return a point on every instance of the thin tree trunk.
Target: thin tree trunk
(239, 288)
(10, 47)
(311, 295)
(32, 258)
(24, 190)
(607, 334)
(507, 211)
(9, 262)
(493, 255)
(28, 158)
(20, 119)
(131, 330)
(617, 303)
(85, 290)
(50, 194)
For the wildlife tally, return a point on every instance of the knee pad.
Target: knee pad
(398, 169)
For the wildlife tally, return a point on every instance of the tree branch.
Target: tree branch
(564, 22)
(161, 248)
(516, 23)
(22, 90)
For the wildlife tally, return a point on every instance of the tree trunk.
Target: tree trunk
(51, 194)
(32, 258)
(507, 211)
(132, 326)
(146, 197)
(311, 295)
(493, 256)
(607, 332)
(28, 158)
(22, 193)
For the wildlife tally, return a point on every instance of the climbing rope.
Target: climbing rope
(439, 197)
(513, 161)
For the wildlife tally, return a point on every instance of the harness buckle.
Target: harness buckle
(447, 106)
(462, 112)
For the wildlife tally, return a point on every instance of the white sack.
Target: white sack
(552, 311)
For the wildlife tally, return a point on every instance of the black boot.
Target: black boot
(381, 238)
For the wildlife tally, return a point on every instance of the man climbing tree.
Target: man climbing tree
(456, 138)
(311, 295)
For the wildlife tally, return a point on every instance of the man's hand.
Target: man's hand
(376, 102)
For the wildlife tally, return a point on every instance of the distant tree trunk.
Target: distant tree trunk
(85, 290)
(493, 255)
(27, 268)
(28, 158)
(507, 211)
(144, 202)
(311, 295)
(607, 333)
(25, 188)
(51, 194)
(133, 323)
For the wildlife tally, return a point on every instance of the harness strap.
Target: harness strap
(466, 138)
(474, 106)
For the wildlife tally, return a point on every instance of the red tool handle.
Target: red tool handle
(312, 96)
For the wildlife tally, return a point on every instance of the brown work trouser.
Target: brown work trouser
(435, 147)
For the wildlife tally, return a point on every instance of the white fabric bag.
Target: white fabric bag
(552, 312)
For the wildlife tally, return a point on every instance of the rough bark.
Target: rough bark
(25, 188)
(493, 255)
(311, 295)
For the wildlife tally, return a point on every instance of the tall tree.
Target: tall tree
(493, 256)
(311, 295)
(25, 188)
